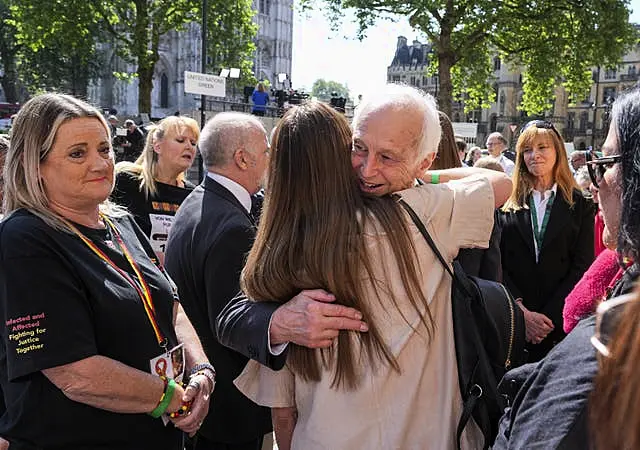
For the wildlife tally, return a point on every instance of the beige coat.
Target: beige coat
(418, 408)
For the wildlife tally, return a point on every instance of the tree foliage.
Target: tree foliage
(60, 40)
(231, 37)
(8, 54)
(57, 44)
(322, 89)
(556, 42)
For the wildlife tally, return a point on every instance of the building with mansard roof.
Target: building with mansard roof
(583, 124)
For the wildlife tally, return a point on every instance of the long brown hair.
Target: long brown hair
(523, 181)
(311, 235)
(614, 412)
(448, 149)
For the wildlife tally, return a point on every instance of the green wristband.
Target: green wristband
(435, 178)
(167, 395)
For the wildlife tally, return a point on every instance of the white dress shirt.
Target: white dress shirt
(540, 201)
(506, 164)
(236, 189)
(244, 198)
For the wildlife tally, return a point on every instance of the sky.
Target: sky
(319, 52)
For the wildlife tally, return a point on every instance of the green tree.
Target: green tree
(8, 54)
(555, 41)
(230, 41)
(57, 44)
(136, 27)
(322, 89)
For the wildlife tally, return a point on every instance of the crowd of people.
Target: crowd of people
(291, 292)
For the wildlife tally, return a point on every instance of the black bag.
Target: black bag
(489, 334)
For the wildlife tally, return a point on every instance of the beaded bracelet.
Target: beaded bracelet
(165, 399)
(181, 411)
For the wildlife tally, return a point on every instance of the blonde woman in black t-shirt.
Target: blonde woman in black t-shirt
(154, 186)
(88, 316)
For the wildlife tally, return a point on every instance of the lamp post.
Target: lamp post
(203, 98)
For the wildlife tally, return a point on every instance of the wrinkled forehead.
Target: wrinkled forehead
(396, 126)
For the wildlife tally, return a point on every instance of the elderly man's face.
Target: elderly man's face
(495, 145)
(385, 154)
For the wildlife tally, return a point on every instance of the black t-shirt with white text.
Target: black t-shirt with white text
(60, 303)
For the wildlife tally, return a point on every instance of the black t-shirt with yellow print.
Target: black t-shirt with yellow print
(154, 214)
(61, 303)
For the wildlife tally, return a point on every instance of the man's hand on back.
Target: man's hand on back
(311, 320)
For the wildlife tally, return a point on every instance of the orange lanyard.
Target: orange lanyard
(141, 287)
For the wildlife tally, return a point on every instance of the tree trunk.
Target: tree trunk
(10, 79)
(445, 62)
(445, 90)
(145, 86)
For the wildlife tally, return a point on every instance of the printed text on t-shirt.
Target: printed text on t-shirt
(26, 331)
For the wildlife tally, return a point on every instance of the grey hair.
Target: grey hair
(405, 97)
(500, 137)
(32, 137)
(223, 135)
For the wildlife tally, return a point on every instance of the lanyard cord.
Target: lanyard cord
(538, 234)
(141, 287)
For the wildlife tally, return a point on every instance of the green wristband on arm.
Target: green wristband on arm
(435, 178)
(165, 400)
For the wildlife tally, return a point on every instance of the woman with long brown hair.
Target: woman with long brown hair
(547, 234)
(364, 250)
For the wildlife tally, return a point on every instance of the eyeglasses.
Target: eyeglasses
(542, 124)
(608, 315)
(598, 166)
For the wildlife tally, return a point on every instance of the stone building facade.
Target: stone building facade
(181, 51)
(584, 124)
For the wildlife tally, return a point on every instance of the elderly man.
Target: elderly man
(389, 140)
(212, 233)
(497, 144)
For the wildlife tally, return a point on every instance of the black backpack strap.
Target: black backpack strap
(423, 230)
(470, 402)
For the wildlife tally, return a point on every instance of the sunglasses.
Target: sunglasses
(542, 124)
(598, 166)
(608, 315)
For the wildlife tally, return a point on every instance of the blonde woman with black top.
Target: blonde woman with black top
(155, 186)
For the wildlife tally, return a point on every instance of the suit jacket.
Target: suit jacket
(484, 263)
(210, 238)
(566, 253)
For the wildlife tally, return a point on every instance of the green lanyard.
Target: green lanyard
(538, 234)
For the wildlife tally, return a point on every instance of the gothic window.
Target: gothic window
(571, 121)
(425, 81)
(493, 124)
(164, 91)
(610, 74)
(584, 118)
(264, 6)
(609, 94)
(413, 81)
(503, 103)
(496, 63)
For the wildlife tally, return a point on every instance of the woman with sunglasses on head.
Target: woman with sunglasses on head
(547, 237)
(550, 409)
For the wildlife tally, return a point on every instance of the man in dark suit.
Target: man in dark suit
(211, 235)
